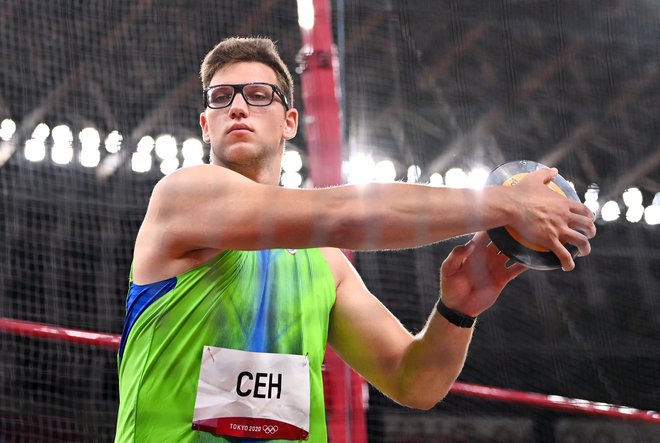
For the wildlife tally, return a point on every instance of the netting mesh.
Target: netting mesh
(589, 335)
(435, 84)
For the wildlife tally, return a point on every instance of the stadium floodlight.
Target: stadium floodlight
(89, 158)
(146, 144)
(632, 197)
(168, 165)
(291, 180)
(652, 212)
(7, 129)
(141, 161)
(455, 178)
(477, 177)
(192, 151)
(35, 150)
(591, 197)
(635, 213)
(291, 161)
(361, 169)
(306, 14)
(166, 147)
(90, 140)
(113, 142)
(41, 132)
(62, 150)
(62, 134)
(413, 173)
(385, 172)
(610, 211)
(436, 180)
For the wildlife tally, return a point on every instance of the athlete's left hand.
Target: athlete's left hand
(474, 274)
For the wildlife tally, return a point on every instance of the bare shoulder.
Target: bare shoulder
(193, 179)
(158, 253)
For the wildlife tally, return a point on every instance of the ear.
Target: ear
(205, 128)
(290, 128)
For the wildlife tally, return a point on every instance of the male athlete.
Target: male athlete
(237, 284)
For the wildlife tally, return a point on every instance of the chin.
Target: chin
(241, 156)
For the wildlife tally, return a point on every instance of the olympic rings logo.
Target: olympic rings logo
(270, 429)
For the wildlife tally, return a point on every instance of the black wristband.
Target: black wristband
(454, 317)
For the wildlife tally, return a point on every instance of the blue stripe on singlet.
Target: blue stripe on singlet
(257, 340)
(139, 298)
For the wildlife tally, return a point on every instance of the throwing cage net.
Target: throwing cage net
(98, 100)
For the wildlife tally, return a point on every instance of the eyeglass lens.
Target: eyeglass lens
(257, 94)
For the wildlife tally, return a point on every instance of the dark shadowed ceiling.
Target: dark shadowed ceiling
(436, 83)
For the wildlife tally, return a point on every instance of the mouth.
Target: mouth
(239, 127)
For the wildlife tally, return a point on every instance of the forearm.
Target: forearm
(432, 362)
(392, 216)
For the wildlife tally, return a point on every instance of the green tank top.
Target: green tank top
(275, 301)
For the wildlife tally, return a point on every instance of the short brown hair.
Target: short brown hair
(247, 49)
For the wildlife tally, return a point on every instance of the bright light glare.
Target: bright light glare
(169, 165)
(113, 142)
(90, 158)
(591, 197)
(385, 171)
(413, 173)
(90, 140)
(593, 205)
(141, 161)
(291, 180)
(62, 151)
(61, 154)
(166, 147)
(436, 180)
(41, 132)
(652, 214)
(146, 144)
(455, 178)
(610, 211)
(632, 197)
(477, 177)
(62, 134)
(361, 169)
(192, 152)
(291, 161)
(35, 150)
(306, 14)
(7, 129)
(635, 213)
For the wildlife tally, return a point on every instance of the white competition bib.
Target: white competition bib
(253, 394)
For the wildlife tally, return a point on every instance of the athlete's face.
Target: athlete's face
(246, 138)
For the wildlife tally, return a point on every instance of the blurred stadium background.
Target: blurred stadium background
(100, 99)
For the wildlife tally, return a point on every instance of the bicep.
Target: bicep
(363, 331)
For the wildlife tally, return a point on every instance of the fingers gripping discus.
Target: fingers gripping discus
(508, 240)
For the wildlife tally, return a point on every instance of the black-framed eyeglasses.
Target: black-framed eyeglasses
(255, 94)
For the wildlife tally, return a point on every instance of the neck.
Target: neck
(259, 174)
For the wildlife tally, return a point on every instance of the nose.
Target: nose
(238, 107)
